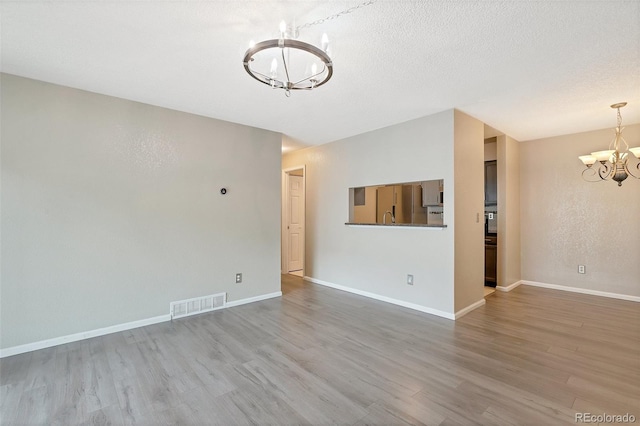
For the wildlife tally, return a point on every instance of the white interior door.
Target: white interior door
(295, 225)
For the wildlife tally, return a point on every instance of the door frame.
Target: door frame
(284, 267)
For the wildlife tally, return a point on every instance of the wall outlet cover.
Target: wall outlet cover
(238, 278)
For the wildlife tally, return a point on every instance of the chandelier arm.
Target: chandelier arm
(590, 175)
(268, 78)
(286, 69)
(311, 76)
(263, 75)
(304, 79)
(605, 171)
(624, 141)
(629, 169)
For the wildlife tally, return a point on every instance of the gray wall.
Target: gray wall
(566, 222)
(111, 209)
(377, 260)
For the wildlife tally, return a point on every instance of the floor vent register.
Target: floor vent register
(197, 305)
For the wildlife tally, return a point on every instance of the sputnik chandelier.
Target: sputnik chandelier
(613, 163)
(290, 64)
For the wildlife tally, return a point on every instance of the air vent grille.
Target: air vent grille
(197, 305)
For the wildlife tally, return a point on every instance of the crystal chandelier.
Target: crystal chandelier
(613, 163)
(285, 63)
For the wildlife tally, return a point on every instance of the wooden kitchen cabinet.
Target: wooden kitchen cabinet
(490, 183)
(490, 261)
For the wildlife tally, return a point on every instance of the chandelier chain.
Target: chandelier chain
(619, 118)
(336, 16)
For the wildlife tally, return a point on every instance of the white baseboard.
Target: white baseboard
(409, 305)
(465, 311)
(509, 287)
(15, 350)
(583, 291)
(253, 299)
(42, 344)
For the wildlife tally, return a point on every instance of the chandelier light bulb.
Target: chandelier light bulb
(314, 69)
(251, 44)
(325, 41)
(283, 28)
(274, 68)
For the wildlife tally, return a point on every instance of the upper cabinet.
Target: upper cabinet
(490, 183)
(432, 193)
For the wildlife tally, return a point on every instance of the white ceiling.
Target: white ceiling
(530, 69)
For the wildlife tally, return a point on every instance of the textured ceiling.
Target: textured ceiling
(530, 69)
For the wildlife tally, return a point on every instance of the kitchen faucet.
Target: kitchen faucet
(384, 217)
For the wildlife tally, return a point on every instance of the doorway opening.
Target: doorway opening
(490, 211)
(293, 221)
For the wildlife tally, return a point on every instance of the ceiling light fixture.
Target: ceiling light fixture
(289, 64)
(614, 162)
(298, 69)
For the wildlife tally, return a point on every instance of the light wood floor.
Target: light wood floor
(488, 290)
(320, 356)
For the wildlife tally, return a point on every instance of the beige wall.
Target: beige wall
(567, 221)
(509, 258)
(490, 149)
(111, 209)
(469, 209)
(375, 259)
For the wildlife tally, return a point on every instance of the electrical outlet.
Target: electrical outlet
(238, 278)
(581, 269)
(410, 279)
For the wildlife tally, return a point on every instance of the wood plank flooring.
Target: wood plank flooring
(321, 356)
